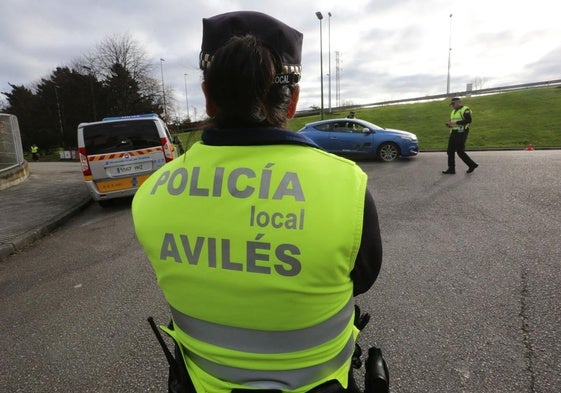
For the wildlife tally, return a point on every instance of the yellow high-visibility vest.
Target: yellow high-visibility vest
(456, 115)
(253, 247)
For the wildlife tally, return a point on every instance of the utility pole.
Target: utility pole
(449, 55)
(186, 99)
(320, 17)
(59, 116)
(329, 56)
(91, 78)
(337, 80)
(163, 89)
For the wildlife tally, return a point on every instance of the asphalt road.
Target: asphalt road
(468, 299)
(470, 292)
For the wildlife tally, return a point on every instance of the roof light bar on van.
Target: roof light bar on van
(130, 117)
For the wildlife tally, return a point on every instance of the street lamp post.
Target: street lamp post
(329, 56)
(449, 54)
(163, 88)
(320, 17)
(186, 99)
(59, 116)
(91, 77)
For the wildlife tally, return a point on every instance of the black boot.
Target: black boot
(449, 171)
(377, 376)
(472, 168)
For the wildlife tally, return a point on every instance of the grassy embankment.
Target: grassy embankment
(504, 120)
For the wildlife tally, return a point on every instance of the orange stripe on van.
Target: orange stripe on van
(134, 153)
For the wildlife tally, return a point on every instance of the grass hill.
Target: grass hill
(511, 119)
(508, 120)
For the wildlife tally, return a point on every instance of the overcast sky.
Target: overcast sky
(388, 49)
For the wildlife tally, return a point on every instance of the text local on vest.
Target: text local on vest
(238, 183)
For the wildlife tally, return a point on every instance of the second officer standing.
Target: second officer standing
(460, 120)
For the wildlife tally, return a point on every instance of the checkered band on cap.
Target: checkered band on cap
(283, 40)
(292, 69)
(204, 60)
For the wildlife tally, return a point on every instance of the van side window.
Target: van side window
(116, 136)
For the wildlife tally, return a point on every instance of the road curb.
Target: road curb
(21, 241)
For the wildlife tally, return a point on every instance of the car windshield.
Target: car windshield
(120, 135)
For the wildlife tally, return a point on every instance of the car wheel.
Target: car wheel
(388, 152)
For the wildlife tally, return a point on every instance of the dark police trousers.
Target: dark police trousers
(457, 144)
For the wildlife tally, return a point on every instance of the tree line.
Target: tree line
(115, 79)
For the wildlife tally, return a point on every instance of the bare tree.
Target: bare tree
(479, 83)
(119, 49)
(122, 52)
(127, 52)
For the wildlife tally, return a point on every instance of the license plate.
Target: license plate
(129, 169)
(121, 184)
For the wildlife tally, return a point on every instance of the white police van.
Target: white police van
(118, 154)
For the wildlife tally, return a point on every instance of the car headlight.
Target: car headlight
(410, 138)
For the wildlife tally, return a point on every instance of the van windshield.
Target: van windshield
(120, 135)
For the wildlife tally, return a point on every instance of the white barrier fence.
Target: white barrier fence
(11, 152)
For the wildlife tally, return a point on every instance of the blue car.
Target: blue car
(360, 139)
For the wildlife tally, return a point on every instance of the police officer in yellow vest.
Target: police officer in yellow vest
(259, 239)
(460, 120)
(35, 152)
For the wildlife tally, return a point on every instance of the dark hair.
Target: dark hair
(240, 83)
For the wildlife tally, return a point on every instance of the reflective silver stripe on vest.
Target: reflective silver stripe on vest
(275, 379)
(264, 342)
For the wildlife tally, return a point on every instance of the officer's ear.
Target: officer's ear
(291, 111)
(210, 105)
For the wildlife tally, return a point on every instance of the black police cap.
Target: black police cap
(280, 38)
(455, 99)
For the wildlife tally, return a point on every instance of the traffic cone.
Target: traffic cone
(530, 147)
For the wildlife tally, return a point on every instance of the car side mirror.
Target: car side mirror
(366, 130)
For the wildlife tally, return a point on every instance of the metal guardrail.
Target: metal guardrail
(477, 92)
